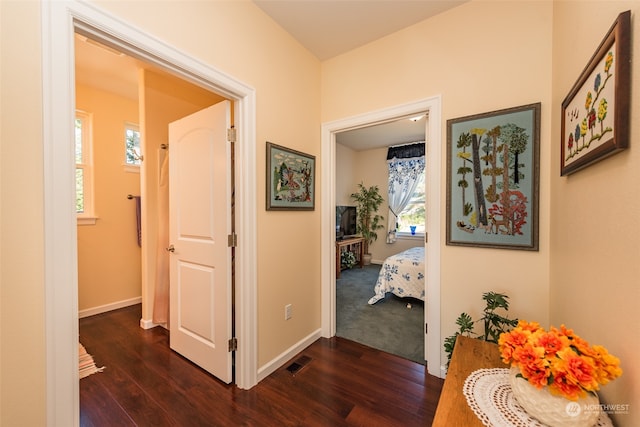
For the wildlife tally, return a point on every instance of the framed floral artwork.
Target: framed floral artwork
(595, 113)
(493, 179)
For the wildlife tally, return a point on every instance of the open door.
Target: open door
(199, 225)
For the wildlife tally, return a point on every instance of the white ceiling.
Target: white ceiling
(331, 27)
(325, 27)
(398, 132)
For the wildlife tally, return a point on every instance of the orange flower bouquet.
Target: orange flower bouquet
(559, 359)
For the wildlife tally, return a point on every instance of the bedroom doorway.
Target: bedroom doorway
(432, 106)
(391, 324)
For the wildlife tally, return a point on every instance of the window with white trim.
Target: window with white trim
(413, 215)
(132, 153)
(84, 166)
(406, 193)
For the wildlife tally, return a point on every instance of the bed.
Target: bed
(403, 275)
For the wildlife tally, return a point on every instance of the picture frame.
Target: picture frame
(481, 210)
(290, 179)
(595, 113)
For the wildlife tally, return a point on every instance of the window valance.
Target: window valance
(406, 151)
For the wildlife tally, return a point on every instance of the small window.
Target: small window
(132, 153)
(84, 166)
(413, 215)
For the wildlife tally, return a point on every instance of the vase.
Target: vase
(366, 259)
(552, 410)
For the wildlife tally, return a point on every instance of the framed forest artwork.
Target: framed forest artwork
(595, 113)
(493, 179)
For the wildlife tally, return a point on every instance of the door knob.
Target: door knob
(171, 248)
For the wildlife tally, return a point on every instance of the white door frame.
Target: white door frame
(433, 161)
(60, 19)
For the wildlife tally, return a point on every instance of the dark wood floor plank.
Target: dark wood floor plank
(343, 384)
(351, 378)
(105, 409)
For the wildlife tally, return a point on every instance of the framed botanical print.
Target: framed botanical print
(595, 113)
(493, 179)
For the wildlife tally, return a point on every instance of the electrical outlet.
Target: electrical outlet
(287, 312)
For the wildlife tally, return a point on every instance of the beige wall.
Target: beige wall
(474, 56)
(108, 252)
(595, 236)
(22, 338)
(346, 179)
(234, 37)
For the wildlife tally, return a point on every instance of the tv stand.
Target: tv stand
(352, 244)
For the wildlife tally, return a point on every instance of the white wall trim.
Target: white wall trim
(108, 307)
(60, 19)
(149, 324)
(288, 354)
(434, 224)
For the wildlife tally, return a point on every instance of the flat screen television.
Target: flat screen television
(345, 222)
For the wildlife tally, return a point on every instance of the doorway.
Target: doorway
(118, 89)
(432, 247)
(393, 324)
(60, 21)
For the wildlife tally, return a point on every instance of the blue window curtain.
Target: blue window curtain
(406, 164)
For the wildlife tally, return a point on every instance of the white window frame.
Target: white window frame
(419, 234)
(130, 167)
(88, 216)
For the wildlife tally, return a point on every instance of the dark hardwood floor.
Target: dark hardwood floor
(343, 384)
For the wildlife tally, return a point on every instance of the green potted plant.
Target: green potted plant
(347, 260)
(368, 201)
(492, 321)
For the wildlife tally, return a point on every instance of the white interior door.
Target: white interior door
(199, 223)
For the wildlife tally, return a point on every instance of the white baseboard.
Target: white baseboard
(108, 307)
(148, 324)
(285, 356)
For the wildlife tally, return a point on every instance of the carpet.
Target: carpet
(393, 324)
(86, 364)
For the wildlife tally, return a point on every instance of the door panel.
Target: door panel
(200, 221)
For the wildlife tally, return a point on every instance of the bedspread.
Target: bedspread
(403, 275)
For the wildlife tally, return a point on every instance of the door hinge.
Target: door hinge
(426, 237)
(232, 240)
(426, 328)
(231, 135)
(233, 344)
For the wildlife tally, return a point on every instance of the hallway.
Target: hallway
(343, 384)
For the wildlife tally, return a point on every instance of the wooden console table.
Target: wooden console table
(469, 355)
(355, 245)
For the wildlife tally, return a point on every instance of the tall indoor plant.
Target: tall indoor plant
(368, 201)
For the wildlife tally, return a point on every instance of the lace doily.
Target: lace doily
(489, 395)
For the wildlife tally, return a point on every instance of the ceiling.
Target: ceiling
(101, 67)
(331, 27)
(397, 132)
(325, 27)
